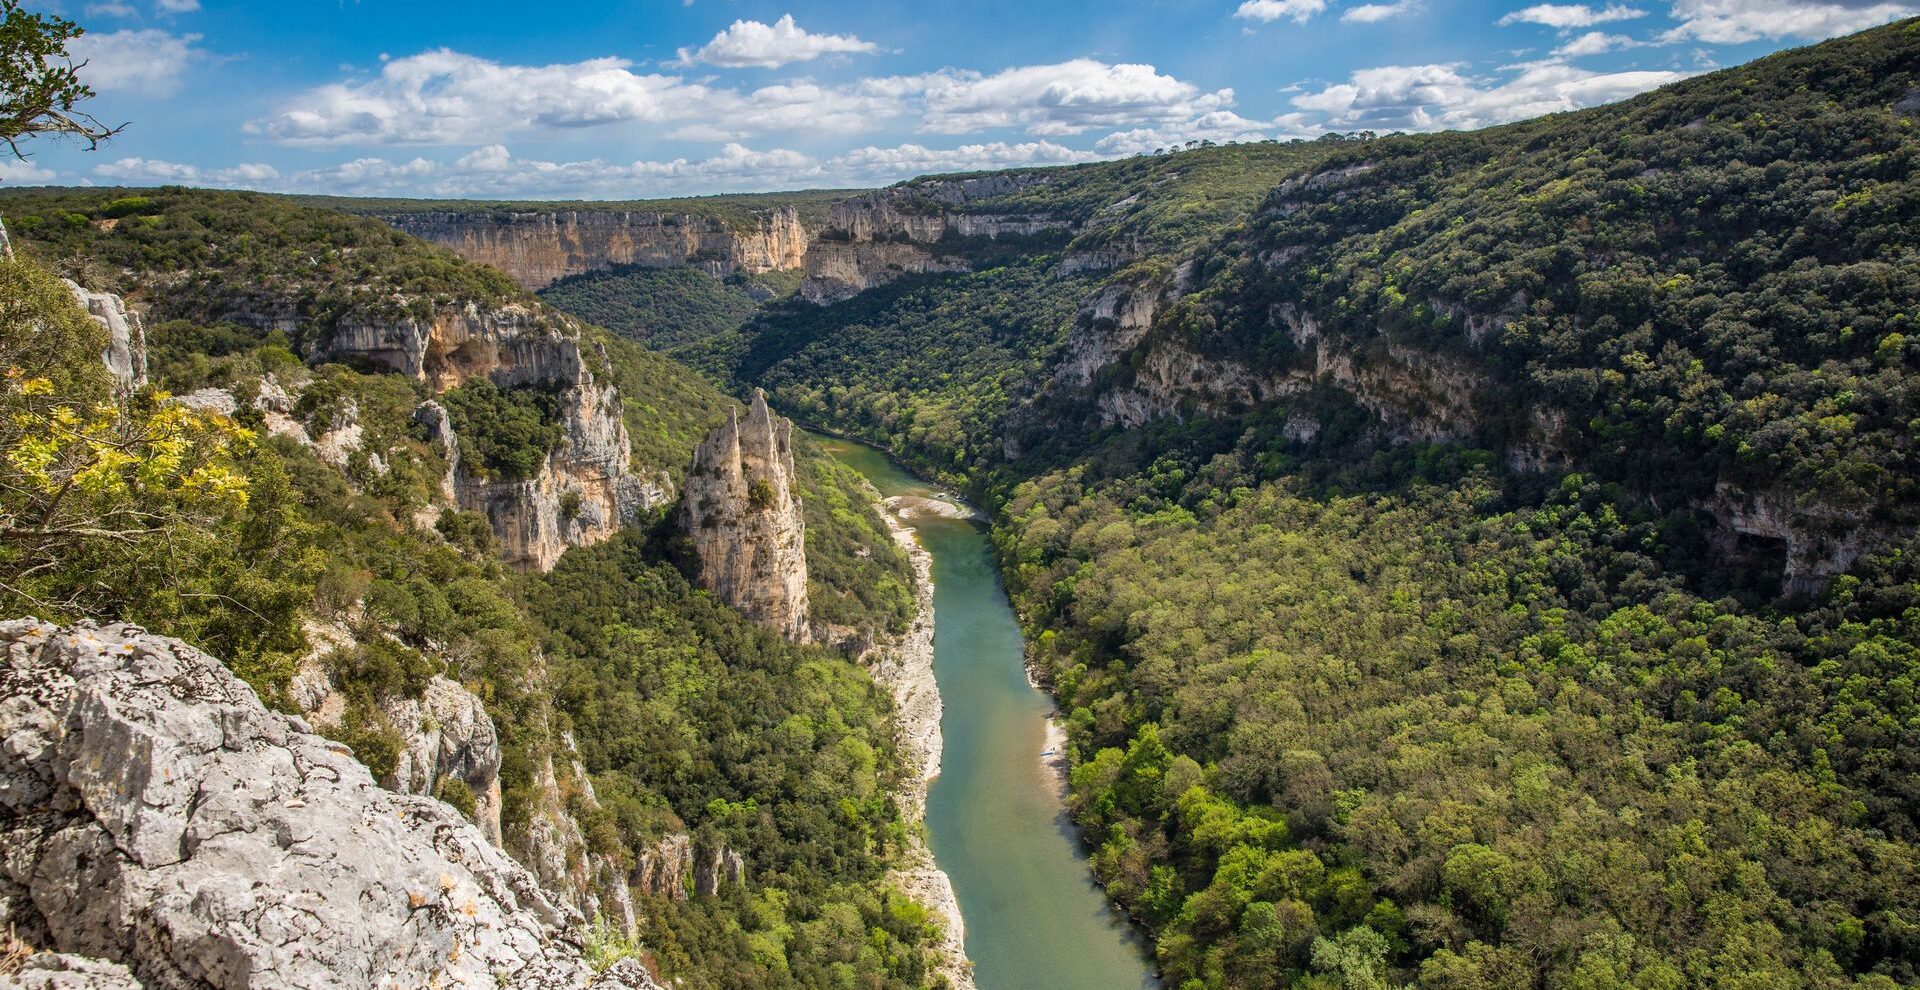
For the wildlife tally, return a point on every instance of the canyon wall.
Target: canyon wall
(585, 489)
(539, 248)
(744, 519)
(876, 237)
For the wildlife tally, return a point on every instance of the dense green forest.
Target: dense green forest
(667, 308)
(227, 532)
(1352, 706)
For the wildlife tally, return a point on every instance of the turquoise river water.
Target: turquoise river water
(1035, 920)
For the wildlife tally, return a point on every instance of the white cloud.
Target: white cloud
(145, 170)
(148, 61)
(1068, 98)
(25, 173)
(866, 105)
(493, 171)
(1434, 97)
(1726, 22)
(110, 8)
(446, 97)
(752, 44)
(1595, 43)
(1273, 10)
(1373, 13)
(908, 160)
(177, 6)
(1567, 16)
(1219, 127)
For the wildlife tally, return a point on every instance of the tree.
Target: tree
(40, 85)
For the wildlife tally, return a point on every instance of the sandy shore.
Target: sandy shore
(911, 507)
(906, 668)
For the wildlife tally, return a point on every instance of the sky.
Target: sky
(598, 99)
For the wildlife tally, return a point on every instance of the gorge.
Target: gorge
(1465, 560)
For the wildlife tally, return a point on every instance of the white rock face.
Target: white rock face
(745, 521)
(156, 815)
(126, 354)
(517, 345)
(872, 239)
(671, 865)
(446, 734)
(541, 248)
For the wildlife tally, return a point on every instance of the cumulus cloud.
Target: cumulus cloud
(1067, 98)
(1273, 10)
(1726, 22)
(1568, 16)
(1434, 97)
(493, 171)
(446, 97)
(145, 170)
(722, 115)
(1219, 127)
(1373, 13)
(1595, 43)
(148, 61)
(908, 160)
(24, 173)
(752, 44)
(176, 6)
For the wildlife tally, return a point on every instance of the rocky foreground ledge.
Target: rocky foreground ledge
(160, 828)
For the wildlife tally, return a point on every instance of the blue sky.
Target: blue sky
(643, 98)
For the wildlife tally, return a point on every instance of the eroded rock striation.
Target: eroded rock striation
(744, 519)
(676, 864)
(539, 248)
(159, 817)
(877, 237)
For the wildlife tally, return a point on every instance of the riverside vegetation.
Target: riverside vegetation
(1487, 561)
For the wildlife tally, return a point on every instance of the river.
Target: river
(1035, 919)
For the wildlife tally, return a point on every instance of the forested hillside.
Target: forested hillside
(283, 504)
(1485, 564)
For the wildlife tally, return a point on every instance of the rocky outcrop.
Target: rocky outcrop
(126, 353)
(744, 519)
(586, 489)
(539, 248)
(877, 237)
(445, 733)
(1816, 543)
(554, 848)
(675, 865)
(159, 817)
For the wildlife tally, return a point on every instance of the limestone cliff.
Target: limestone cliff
(126, 353)
(160, 818)
(586, 489)
(877, 237)
(676, 866)
(744, 521)
(539, 248)
(445, 732)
